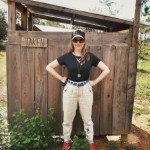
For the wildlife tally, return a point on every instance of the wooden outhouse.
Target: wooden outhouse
(30, 86)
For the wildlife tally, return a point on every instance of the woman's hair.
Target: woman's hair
(84, 53)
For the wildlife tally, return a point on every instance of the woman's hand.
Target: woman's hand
(63, 80)
(91, 82)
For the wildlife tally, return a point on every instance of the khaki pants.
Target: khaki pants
(72, 97)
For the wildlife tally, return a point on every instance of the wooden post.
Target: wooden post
(132, 70)
(136, 23)
(24, 19)
(30, 22)
(11, 16)
(129, 40)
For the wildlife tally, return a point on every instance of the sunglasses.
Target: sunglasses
(78, 40)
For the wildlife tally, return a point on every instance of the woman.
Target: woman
(78, 87)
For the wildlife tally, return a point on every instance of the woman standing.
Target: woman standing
(78, 87)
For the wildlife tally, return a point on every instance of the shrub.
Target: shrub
(130, 147)
(80, 143)
(4, 137)
(112, 146)
(33, 133)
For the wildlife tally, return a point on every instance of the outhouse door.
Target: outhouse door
(30, 86)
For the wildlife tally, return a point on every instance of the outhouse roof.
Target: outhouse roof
(71, 14)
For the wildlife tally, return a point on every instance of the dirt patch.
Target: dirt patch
(137, 138)
(143, 136)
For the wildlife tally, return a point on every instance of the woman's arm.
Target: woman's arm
(51, 69)
(105, 72)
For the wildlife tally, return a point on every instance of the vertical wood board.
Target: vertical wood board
(11, 16)
(54, 86)
(40, 79)
(95, 72)
(107, 91)
(13, 79)
(131, 87)
(27, 80)
(120, 90)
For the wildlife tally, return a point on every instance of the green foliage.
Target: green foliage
(148, 19)
(80, 143)
(130, 147)
(36, 21)
(32, 133)
(122, 142)
(144, 51)
(106, 140)
(3, 25)
(112, 146)
(146, 7)
(4, 137)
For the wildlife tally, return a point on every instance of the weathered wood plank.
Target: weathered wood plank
(54, 87)
(131, 87)
(106, 109)
(27, 79)
(11, 16)
(24, 19)
(55, 38)
(40, 78)
(13, 79)
(106, 38)
(30, 22)
(136, 24)
(120, 90)
(34, 42)
(95, 72)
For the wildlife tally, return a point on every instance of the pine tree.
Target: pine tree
(3, 25)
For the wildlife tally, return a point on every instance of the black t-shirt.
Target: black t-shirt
(74, 68)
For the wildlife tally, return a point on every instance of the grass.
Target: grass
(141, 111)
(2, 67)
(2, 78)
(143, 76)
(138, 110)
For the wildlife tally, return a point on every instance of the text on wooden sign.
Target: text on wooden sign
(34, 42)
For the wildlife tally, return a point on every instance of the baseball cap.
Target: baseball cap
(78, 33)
